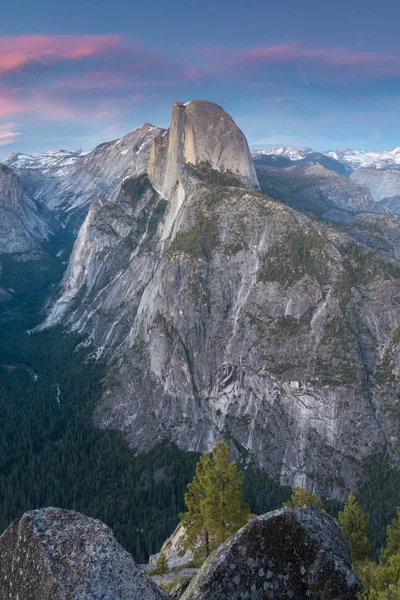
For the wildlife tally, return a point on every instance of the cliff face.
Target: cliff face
(222, 312)
(383, 184)
(22, 228)
(200, 133)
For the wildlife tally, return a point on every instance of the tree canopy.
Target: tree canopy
(301, 497)
(354, 524)
(214, 501)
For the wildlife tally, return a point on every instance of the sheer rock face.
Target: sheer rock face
(54, 554)
(288, 554)
(200, 133)
(219, 310)
(22, 229)
(382, 183)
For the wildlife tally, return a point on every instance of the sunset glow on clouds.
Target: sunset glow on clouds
(55, 88)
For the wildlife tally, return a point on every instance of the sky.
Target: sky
(300, 73)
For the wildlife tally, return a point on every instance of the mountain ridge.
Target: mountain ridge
(236, 316)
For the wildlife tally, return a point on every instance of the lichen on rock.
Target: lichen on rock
(287, 554)
(56, 554)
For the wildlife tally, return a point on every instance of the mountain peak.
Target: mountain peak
(200, 132)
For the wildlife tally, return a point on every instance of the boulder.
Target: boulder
(287, 554)
(55, 554)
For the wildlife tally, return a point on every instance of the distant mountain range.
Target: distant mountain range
(356, 159)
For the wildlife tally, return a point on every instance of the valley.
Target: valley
(171, 292)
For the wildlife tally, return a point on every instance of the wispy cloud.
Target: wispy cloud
(7, 133)
(344, 61)
(18, 52)
(303, 76)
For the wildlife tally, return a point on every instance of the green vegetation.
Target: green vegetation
(162, 565)
(362, 264)
(50, 453)
(354, 524)
(393, 539)
(382, 581)
(262, 493)
(200, 240)
(379, 496)
(212, 177)
(384, 374)
(301, 497)
(156, 216)
(214, 501)
(298, 254)
(135, 187)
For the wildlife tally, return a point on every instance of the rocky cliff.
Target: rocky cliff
(383, 184)
(201, 133)
(67, 182)
(22, 228)
(222, 312)
(57, 554)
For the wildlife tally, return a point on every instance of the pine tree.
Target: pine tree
(214, 500)
(162, 564)
(193, 520)
(393, 539)
(354, 523)
(300, 497)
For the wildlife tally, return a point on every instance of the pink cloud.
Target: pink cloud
(19, 51)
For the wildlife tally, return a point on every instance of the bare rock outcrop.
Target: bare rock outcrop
(22, 229)
(55, 554)
(201, 132)
(382, 183)
(287, 554)
(176, 555)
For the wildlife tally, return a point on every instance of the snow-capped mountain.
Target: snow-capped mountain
(285, 151)
(66, 182)
(375, 159)
(58, 162)
(356, 159)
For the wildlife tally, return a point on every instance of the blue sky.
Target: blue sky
(305, 73)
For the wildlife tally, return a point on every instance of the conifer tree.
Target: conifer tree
(214, 500)
(162, 563)
(300, 497)
(393, 539)
(354, 523)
